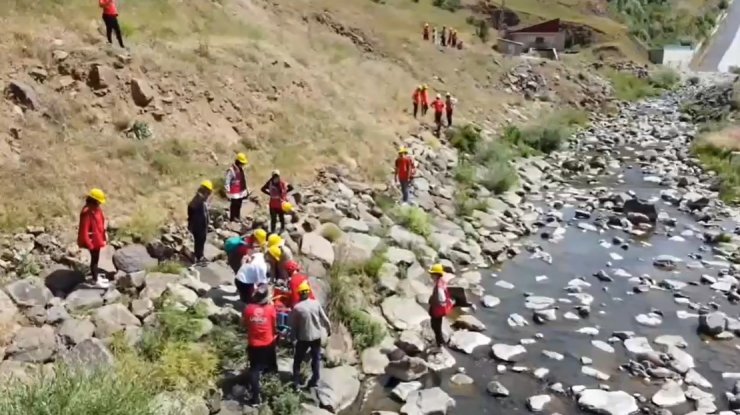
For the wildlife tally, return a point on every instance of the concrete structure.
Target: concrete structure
(674, 56)
(546, 35)
(723, 48)
(509, 47)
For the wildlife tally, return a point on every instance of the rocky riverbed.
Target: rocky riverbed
(604, 284)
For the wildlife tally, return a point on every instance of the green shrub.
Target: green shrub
(186, 367)
(665, 78)
(173, 325)
(450, 5)
(331, 232)
(482, 30)
(77, 392)
(168, 267)
(414, 219)
(721, 162)
(465, 204)
(499, 177)
(465, 139)
(384, 202)
(372, 266)
(465, 173)
(628, 87)
(228, 341)
(366, 332)
(281, 398)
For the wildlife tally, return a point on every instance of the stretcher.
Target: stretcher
(281, 299)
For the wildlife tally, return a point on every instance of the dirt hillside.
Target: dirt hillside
(297, 84)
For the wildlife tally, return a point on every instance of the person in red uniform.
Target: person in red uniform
(424, 100)
(425, 32)
(404, 172)
(449, 104)
(91, 234)
(440, 302)
(439, 108)
(260, 320)
(110, 18)
(416, 99)
(295, 281)
(278, 191)
(235, 185)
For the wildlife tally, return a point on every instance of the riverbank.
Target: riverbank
(553, 314)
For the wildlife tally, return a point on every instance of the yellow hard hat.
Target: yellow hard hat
(242, 158)
(97, 194)
(437, 269)
(260, 235)
(424, 86)
(275, 252)
(304, 287)
(274, 240)
(207, 184)
(420, 86)
(287, 207)
(403, 150)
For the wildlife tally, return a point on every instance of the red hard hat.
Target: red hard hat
(292, 266)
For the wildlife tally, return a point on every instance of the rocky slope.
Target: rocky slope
(50, 315)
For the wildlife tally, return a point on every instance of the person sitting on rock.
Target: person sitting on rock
(306, 320)
(440, 303)
(92, 234)
(260, 320)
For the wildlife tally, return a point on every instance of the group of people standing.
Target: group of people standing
(445, 37)
(441, 107)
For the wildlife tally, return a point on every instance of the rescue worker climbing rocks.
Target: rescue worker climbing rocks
(404, 172)
(439, 108)
(306, 321)
(260, 320)
(278, 191)
(424, 100)
(416, 99)
(440, 303)
(236, 186)
(92, 233)
(198, 219)
(449, 105)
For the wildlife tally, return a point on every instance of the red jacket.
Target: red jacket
(296, 280)
(438, 105)
(436, 308)
(424, 97)
(416, 96)
(91, 234)
(278, 195)
(261, 322)
(109, 7)
(405, 168)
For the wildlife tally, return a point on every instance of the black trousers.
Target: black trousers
(438, 123)
(301, 347)
(437, 329)
(235, 210)
(244, 290)
(449, 118)
(261, 360)
(276, 214)
(416, 108)
(94, 259)
(111, 25)
(199, 239)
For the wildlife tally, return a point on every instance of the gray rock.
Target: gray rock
(490, 301)
(695, 378)
(29, 292)
(468, 341)
(167, 403)
(338, 387)
(33, 345)
(155, 285)
(216, 274)
(374, 361)
(469, 322)
(352, 225)
(594, 373)
(650, 319)
(8, 310)
(23, 94)
(671, 340)
(461, 379)
(75, 331)
(133, 258)
(537, 403)
(141, 92)
(712, 324)
(142, 307)
(607, 403)
(667, 262)
(91, 354)
(404, 389)
(411, 342)
(403, 313)
(407, 369)
(111, 319)
(84, 299)
(642, 207)
(405, 238)
(432, 401)
(508, 353)
(357, 247)
(670, 394)
(182, 294)
(316, 246)
(538, 303)
(497, 390)
(398, 256)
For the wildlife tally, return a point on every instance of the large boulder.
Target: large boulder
(338, 387)
(29, 292)
(355, 247)
(100, 76)
(155, 285)
(432, 401)
(407, 369)
(468, 341)
(91, 354)
(405, 238)
(403, 313)
(141, 92)
(23, 95)
(84, 299)
(73, 331)
(167, 403)
(642, 207)
(133, 258)
(216, 274)
(8, 310)
(33, 344)
(113, 318)
(712, 324)
(374, 361)
(603, 402)
(314, 245)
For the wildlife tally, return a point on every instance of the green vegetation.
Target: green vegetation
(466, 139)
(331, 232)
(168, 267)
(80, 392)
(628, 87)
(281, 398)
(726, 166)
(414, 219)
(450, 5)
(465, 203)
(660, 22)
(352, 288)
